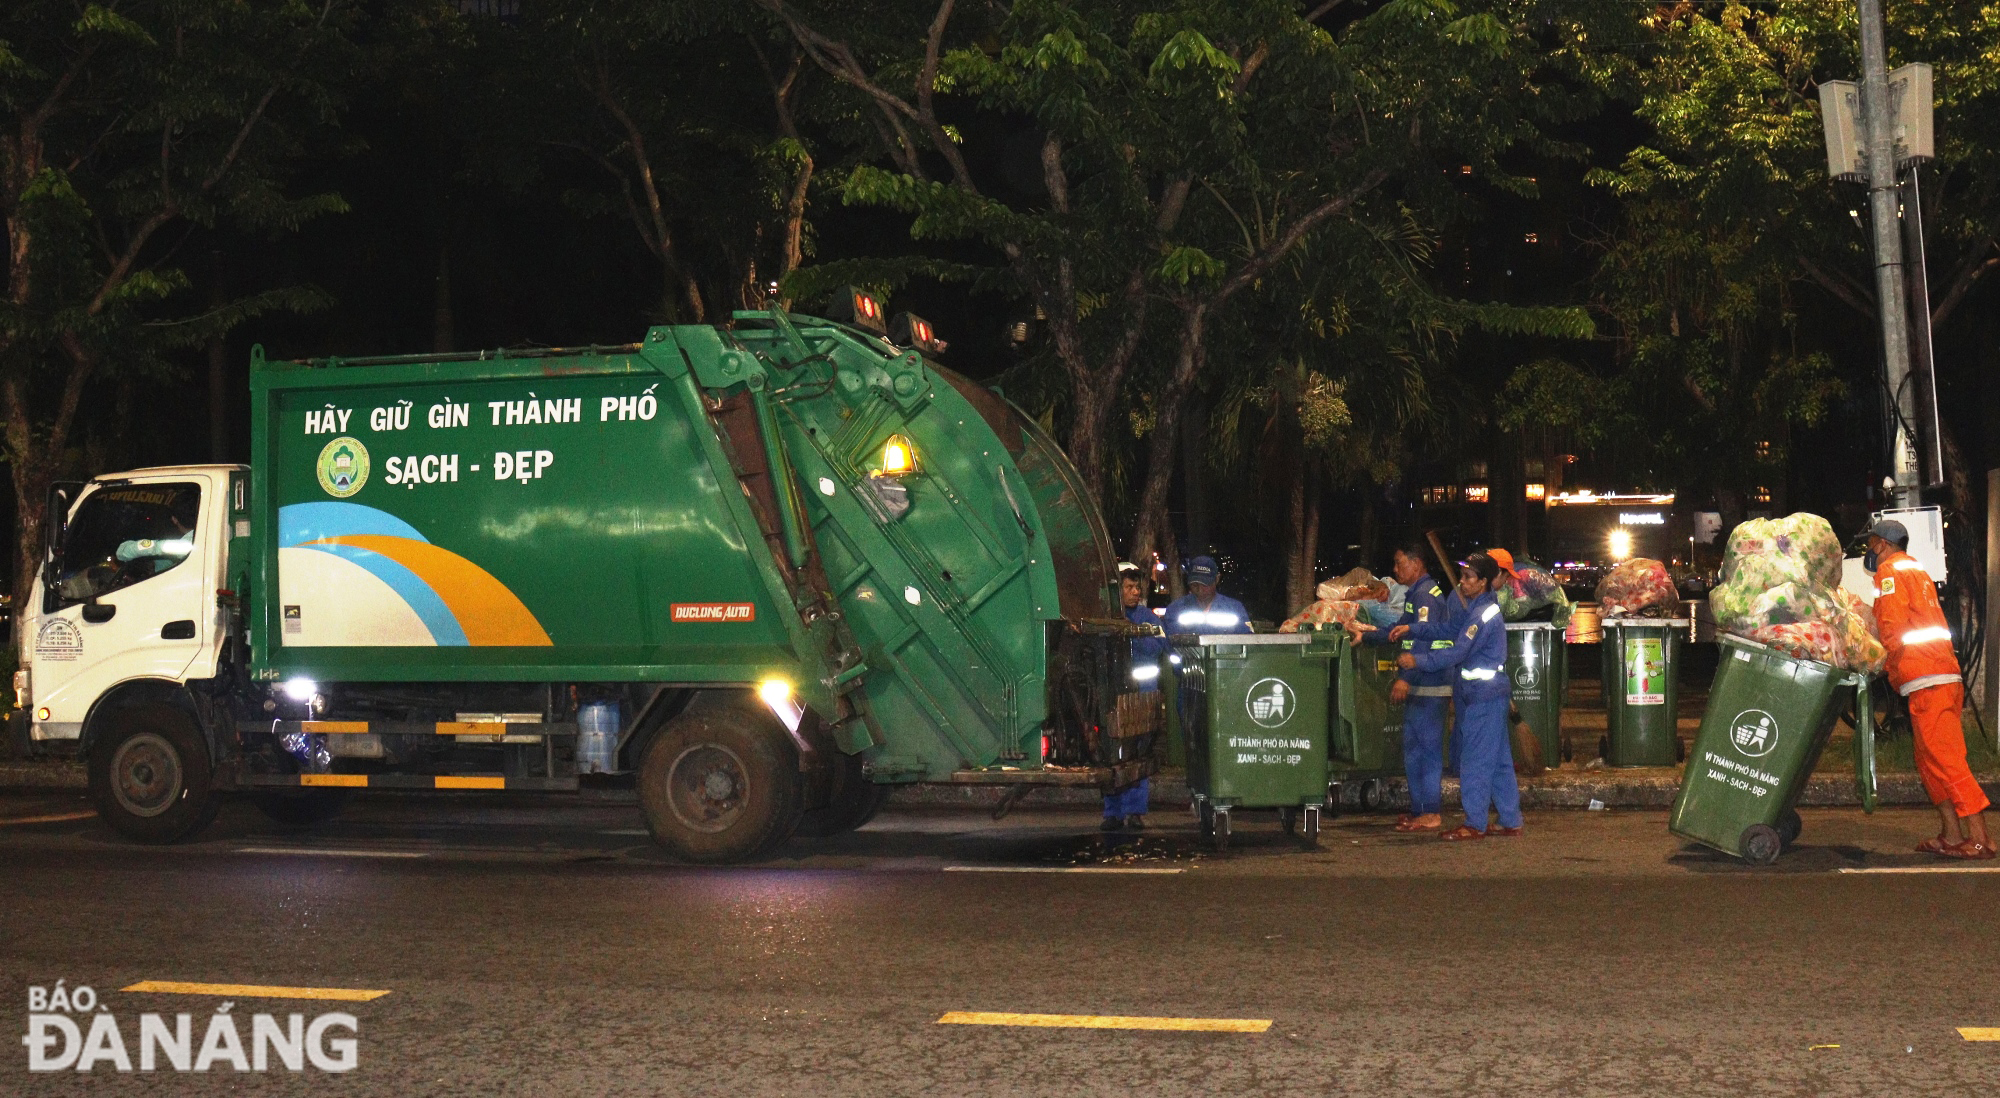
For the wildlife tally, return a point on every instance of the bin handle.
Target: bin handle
(1864, 743)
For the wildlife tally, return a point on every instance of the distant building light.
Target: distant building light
(1761, 495)
(1643, 518)
(1530, 238)
(1535, 491)
(1465, 169)
(1475, 493)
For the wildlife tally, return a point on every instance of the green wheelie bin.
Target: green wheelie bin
(1255, 711)
(1367, 733)
(1769, 717)
(1641, 694)
(1538, 664)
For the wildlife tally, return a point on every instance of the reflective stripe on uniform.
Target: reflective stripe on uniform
(1435, 645)
(1146, 672)
(1478, 674)
(1217, 618)
(1430, 691)
(1927, 634)
(1926, 682)
(1491, 613)
(1906, 564)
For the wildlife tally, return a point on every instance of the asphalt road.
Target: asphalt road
(550, 950)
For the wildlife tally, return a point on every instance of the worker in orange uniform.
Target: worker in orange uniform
(1924, 669)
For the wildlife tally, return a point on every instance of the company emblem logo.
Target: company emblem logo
(1754, 733)
(1270, 702)
(343, 467)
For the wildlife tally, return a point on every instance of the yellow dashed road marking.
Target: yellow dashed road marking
(256, 991)
(1103, 1021)
(1980, 1033)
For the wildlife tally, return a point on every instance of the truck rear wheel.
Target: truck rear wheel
(720, 784)
(150, 775)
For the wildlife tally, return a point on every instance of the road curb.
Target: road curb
(1650, 787)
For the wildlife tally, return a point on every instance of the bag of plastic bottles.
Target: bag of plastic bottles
(1638, 588)
(1781, 587)
(1530, 593)
(1806, 640)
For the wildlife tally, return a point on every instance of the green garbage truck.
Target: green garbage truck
(766, 570)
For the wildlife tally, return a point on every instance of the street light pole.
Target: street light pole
(1884, 205)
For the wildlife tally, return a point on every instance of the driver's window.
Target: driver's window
(126, 534)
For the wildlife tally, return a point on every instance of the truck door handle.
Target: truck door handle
(97, 613)
(177, 630)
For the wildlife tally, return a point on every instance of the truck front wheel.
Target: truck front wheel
(720, 786)
(150, 776)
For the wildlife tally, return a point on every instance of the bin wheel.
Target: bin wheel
(1789, 826)
(1288, 818)
(1372, 794)
(1568, 750)
(1205, 817)
(1221, 830)
(1760, 844)
(1604, 749)
(1680, 750)
(1310, 832)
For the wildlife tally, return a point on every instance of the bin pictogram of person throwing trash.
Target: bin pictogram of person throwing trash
(1754, 732)
(1270, 702)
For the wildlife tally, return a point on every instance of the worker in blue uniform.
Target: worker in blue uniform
(1424, 695)
(1204, 609)
(1481, 692)
(1126, 808)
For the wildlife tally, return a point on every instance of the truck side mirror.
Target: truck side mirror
(55, 523)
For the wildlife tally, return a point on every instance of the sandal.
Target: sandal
(1410, 824)
(1935, 845)
(1507, 832)
(1971, 850)
(1462, 834)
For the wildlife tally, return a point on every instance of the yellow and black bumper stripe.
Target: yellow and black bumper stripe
(406, 781)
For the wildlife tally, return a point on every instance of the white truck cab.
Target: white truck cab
(130, 610)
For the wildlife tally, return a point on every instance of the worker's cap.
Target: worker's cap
(1890, 530)
(1502, 558)
(1128, 570)
(1203, 570)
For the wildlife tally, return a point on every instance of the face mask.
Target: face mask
(1869, 560)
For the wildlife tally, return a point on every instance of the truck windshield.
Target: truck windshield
(126, 534)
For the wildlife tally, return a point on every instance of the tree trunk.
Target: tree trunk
(1151, 524)
(1194, 473)
(1302, 554)
(218, 399)
(218, 375)
(1371, 529)
(444, 323)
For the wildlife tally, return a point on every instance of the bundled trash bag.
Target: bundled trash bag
(1799, 548)
(1806, 640)
(1857, 633)
(1530, 593)
(1324, 614)
(1638, 588)
(1781, 587)
(1356, 586)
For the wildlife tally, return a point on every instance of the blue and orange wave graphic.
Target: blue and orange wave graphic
(458, 601)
